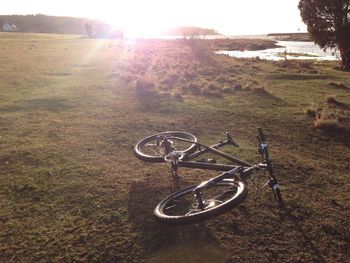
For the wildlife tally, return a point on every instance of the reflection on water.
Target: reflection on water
(290, 50)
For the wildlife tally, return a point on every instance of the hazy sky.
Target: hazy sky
(237, 17)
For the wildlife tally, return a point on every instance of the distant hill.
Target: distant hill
(57, 25)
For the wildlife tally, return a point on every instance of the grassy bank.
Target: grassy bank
(71, 190)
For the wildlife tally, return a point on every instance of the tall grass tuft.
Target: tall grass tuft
(261, 90)
(331, 99)
(212, 90)
(145, 92)
(326, 121)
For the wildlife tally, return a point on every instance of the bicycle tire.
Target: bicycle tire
(156, 157)
(214, 208)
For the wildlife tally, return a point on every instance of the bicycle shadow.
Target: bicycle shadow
(340, 135)
(287, 214)
(164, 241)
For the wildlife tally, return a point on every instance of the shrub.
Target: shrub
(339, 85)
(238, 87)
(260, 90)
(326, 121)
(189, 74)
(305, 64)
(194, 88)
(177, 96)
(331, 99)
(247, 87)
(229, 90)
(221, 79)
(212, 90)
(211, 93)
(311, 112)
(285, 64)
(213, 86)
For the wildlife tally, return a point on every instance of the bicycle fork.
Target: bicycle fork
(272, 182)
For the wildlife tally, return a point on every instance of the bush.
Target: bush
(194, 88)
(221, 79)
(331, 99)
(311, 112)
(212, 90)
(211, 93)
(229, 90)
(326, 121)
(189, 74)
(247, 87)
(260, 91)
(305, 64)
(339, 85)
(177, 96)
(238, 87)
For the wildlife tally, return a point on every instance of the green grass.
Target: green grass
(72, 191)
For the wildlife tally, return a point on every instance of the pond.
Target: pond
(289, 50)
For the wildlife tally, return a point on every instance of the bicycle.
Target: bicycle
(212, 197)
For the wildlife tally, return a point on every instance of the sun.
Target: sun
(139, 22)
(133, 29)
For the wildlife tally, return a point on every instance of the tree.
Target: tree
(328, 22)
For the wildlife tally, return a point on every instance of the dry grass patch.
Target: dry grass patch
(339, 85)
(326, 121)
(146, 92)
(212, 90)
(331, 99)
(261, 90)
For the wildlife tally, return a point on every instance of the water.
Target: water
(301, 50)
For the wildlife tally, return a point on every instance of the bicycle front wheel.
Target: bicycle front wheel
(182, 207)
(147, 149)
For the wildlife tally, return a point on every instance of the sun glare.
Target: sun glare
(134, 29)
(140, 20)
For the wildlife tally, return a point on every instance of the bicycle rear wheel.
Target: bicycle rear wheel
(147, 149)
(182, 207)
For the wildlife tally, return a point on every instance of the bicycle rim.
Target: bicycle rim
(182, 207)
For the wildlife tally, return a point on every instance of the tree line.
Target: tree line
(40, 23)
(55, 25)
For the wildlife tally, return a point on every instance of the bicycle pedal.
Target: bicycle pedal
(206, 160)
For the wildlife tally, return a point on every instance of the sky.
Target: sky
(147, 17)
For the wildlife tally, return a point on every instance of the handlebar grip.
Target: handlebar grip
(261, 134)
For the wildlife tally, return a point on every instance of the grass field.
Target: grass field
(71, 190)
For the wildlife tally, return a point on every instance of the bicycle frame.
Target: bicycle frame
(241, 171)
